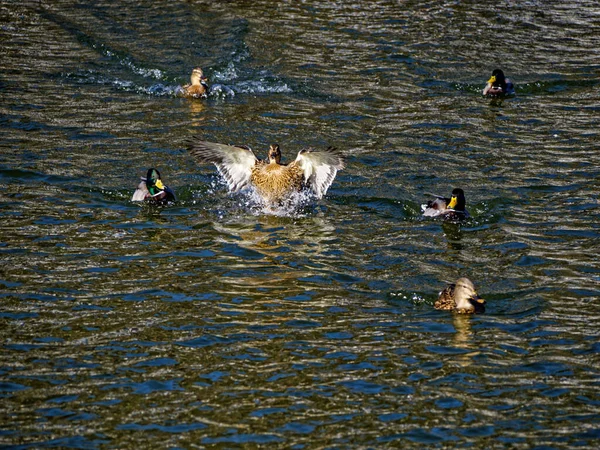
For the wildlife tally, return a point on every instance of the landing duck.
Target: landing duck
(151, 189)
(273, 181)
(198, 87)
(460, 297)
(449, 209)
(498, 85)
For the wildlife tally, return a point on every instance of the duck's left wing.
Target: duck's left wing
(140, 193)
(434, 208)
(319, 168)
(234, 163)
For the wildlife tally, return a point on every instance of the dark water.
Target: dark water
(210, 324)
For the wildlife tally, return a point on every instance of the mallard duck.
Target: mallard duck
(198, 88)
(460, 297)
(451, 209)
(152, 189)
(274, 182)
(498, 85)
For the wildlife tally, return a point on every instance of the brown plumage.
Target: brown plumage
(198, 87)
(460, 297)
(273, 181)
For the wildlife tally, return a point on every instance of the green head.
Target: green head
(153, 182)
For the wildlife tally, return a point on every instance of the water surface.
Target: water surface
(213, 324)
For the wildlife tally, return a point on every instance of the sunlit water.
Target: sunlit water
(215, 323)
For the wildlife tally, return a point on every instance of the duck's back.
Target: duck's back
(446, 299)
(276, 181)
(195, 90)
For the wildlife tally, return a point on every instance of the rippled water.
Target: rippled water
(211, 324)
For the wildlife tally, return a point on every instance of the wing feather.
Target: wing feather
(320, 168)
(437, 207)
(233, 163)
(140, 193)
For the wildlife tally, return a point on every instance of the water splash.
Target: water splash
(227, 74)
(260, 83)
(220, 91)
(262, 87)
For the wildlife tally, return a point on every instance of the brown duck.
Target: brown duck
(274, 181)
(198, 88)
(460, 297)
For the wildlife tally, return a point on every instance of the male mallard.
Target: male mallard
(452, 209)
(198, 88)
(273, 181)
(152, 189)
(460, 297)
(498, 85)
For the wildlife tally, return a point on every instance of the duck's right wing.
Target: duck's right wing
(233, 163)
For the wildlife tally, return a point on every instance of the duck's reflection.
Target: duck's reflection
(453, 234)
(463, 338)
(197, 117)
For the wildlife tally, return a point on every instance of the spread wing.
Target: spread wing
(319, 168)
(233, 163)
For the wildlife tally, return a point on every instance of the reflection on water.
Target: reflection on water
(215, 322)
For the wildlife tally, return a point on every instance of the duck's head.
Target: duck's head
(466, 297)
(153, 182)
(274, 154)
(198, 77)
(458, 201)
(497, 79)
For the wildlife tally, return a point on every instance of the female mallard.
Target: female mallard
(451, 209)
(198, 88)
(274, 182)
(460, 297)
(152, 189)
(498, 85)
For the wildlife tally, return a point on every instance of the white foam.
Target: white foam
(261, 87)
(290, 208)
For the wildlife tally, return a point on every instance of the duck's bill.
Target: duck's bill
(159, 184)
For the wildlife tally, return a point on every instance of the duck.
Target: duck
(498, 85)
(460, 297)
(198, 87)
(449, 209)
(274, 181)
(151, 189)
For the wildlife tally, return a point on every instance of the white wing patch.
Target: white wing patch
(233, 163)
(140, 193)
(319, 168)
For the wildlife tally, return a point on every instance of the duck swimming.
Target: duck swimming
(152, 189)
(450, 209)
(498, 85)
(274, 181)
(460, 297)
(198, 88)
